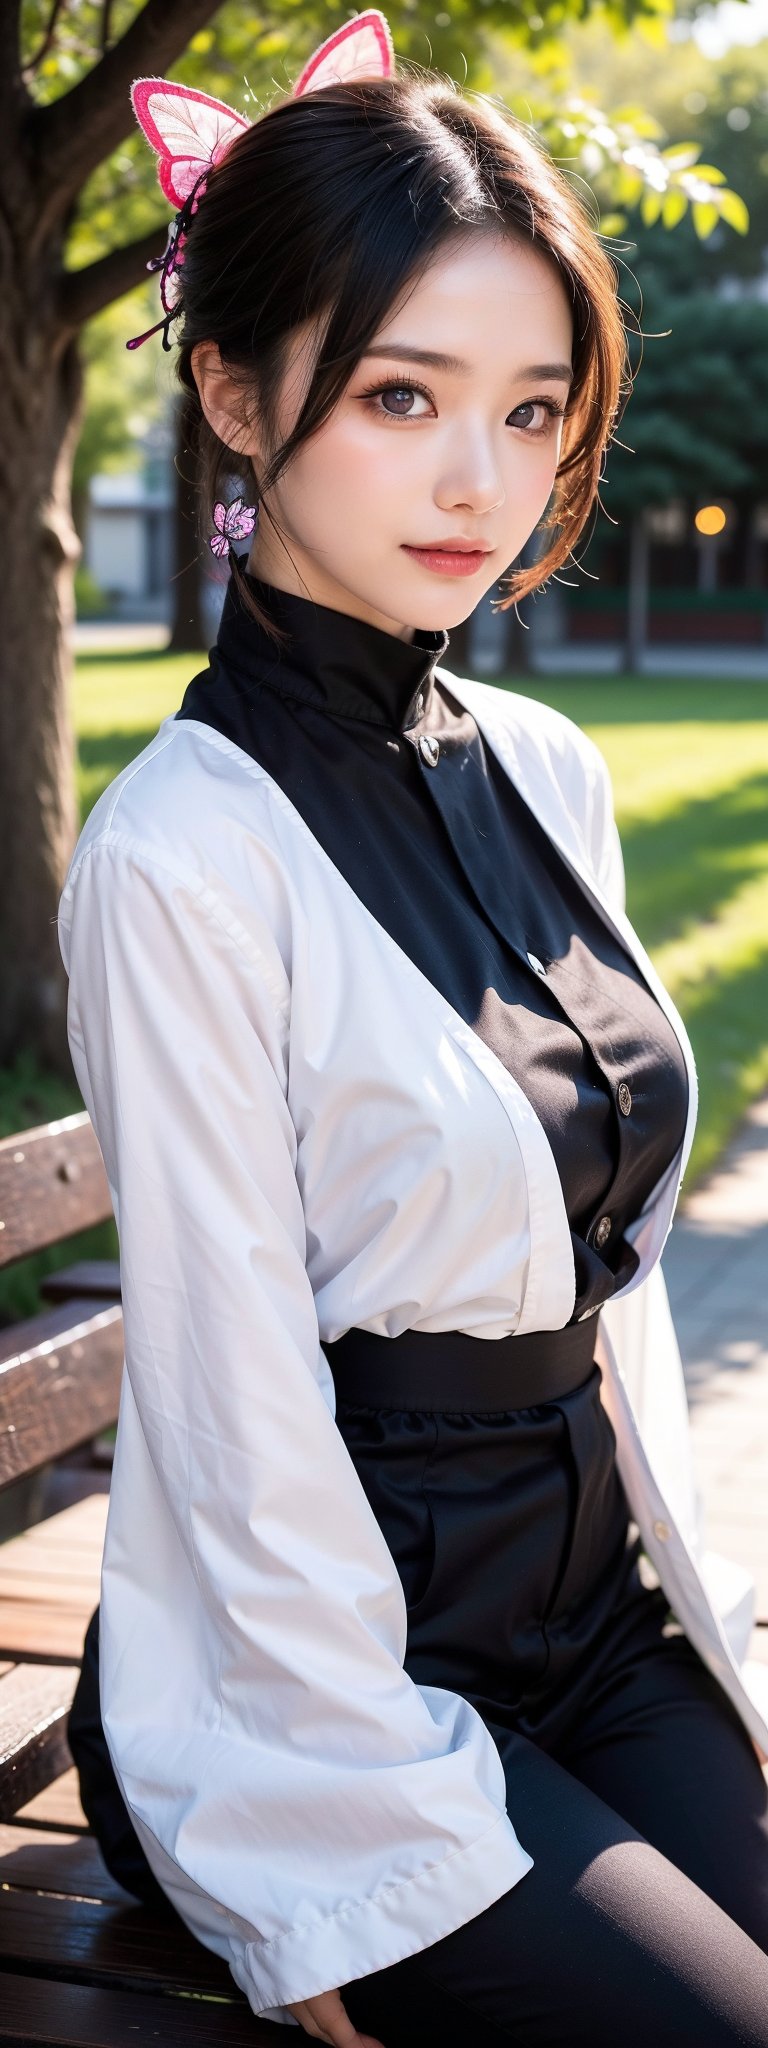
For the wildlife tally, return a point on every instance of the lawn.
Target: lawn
(689, 762)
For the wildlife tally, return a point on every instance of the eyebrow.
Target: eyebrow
(562, 371)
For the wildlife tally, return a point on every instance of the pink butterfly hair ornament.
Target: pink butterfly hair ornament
(232, 522)
(190, 133)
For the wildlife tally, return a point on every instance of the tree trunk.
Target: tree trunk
(517, 655)
(40, 406)
(187, 627)
(49, 152)
(637, 608)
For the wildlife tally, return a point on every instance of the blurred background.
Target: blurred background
(654, 638)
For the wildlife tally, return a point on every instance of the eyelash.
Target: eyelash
(407, 383)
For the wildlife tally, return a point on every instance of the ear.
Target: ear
(222, 399)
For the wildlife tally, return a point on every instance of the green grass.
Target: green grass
(689, 762)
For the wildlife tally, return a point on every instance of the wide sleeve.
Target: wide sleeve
(313, 1814)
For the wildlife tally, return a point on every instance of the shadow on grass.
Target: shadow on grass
(726, 1017)
(686, 865)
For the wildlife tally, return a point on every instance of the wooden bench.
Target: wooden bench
(82, 1961)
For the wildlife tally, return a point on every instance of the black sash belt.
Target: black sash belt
(450, 1369)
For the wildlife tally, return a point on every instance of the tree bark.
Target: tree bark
(187, 627)
(637, 605)
(39, 422)
(48, 152)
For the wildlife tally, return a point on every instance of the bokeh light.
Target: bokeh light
(710, 519)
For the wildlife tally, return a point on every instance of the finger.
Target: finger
(302, 2013)
(338, 2029)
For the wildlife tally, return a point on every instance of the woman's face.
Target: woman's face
(465, 453)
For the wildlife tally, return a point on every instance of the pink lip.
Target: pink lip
(449, 560)
(448, 547)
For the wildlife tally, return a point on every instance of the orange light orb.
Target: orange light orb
(710, 519)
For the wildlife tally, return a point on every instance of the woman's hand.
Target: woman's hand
(326, 2020)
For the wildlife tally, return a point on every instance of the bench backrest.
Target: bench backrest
(59, 1371)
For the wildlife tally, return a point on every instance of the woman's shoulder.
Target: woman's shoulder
(181, 802)
(196, 817)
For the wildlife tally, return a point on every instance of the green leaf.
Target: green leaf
(653, 32)
(733, 209)
(705, 217)
(674, 206)
(650, 207)
(683, 154)
(629, 185)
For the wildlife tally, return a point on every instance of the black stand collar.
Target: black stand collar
(342, 664)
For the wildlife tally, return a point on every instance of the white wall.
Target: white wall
(115, 550)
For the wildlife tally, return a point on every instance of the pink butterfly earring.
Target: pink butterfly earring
(190, 133)
(232, 522)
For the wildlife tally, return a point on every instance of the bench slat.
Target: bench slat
(63, 1630)
(34, 1705)
(52, 1183)
(49, 1620)
(57, 1860)
(56, 1809)
(88, 1276)
(59, 2015)
(130, 1947)
(60, 1379)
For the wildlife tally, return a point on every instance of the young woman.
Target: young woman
(417, 1706)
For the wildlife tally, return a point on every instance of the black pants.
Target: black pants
(631, 1779)
(645, 1917)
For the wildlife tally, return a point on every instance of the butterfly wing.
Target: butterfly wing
(188, 130)
(240, 520)
(220, 517)
(362, 48)
(218, 545)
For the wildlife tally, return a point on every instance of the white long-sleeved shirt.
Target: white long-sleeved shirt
(302, 1134)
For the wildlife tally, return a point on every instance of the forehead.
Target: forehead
(482, 292)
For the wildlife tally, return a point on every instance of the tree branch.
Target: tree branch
(72, 136)
(85, 292)
(106, 10)
(11, 87)
(57, 7)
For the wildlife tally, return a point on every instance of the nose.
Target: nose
(473, 478)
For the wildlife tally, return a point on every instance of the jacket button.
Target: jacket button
(536, 964)
(625, 1099)
(603, 1231)
(429, 750)
(661, 1529)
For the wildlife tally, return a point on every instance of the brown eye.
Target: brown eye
(550, 410)
(400, 391)
(404, 392)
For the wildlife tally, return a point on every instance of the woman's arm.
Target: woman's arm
(312, 1813)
